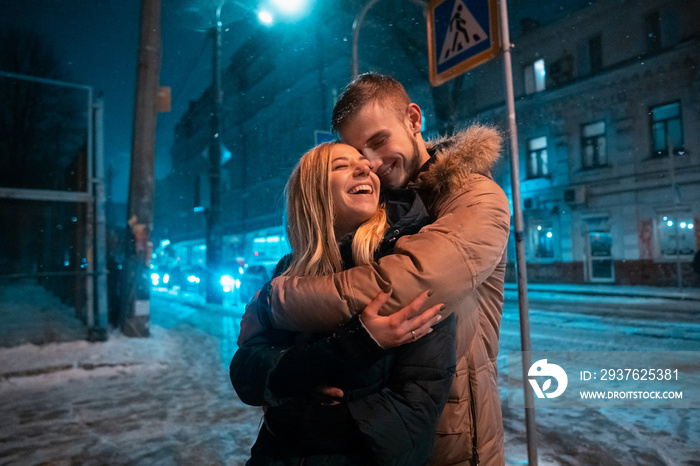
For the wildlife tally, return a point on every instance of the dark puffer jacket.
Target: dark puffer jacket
(392, 399)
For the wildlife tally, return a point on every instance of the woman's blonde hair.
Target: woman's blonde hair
(311, 216)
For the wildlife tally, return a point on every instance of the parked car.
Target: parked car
(253, 278)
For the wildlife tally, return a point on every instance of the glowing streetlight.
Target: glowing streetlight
(289, 6)
(265, 17)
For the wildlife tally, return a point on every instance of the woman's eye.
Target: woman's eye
(337, 167)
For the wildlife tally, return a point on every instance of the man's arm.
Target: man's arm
(451, 257)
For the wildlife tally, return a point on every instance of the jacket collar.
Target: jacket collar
(472, 151)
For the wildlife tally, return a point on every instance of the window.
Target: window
(601, 265)
(652, 28)
(537, 157)
(676, 233)
(595, 53)
(666, 129)
(535, 77)
(543, 238)
(593, 145)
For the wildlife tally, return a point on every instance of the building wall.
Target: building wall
(289, 85)
(627, 197)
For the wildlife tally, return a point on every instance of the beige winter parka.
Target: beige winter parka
(461, 257)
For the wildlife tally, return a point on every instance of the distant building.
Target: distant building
(608, 110)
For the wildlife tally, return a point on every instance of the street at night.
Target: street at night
(167, 399)
(163, 163)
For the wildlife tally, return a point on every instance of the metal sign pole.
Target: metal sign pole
(519, 238)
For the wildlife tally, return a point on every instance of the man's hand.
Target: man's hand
(329, 395)
(407, 325)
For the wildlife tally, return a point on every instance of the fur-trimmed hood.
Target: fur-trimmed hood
(474, 150)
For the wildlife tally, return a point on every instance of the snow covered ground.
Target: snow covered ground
(167, 399)
(159, 400)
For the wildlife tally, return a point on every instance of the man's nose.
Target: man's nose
(374, 162)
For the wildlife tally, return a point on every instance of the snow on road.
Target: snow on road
(167, 399)
(635, 436)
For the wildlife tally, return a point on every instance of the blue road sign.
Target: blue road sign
(462, 34)
(322, 136)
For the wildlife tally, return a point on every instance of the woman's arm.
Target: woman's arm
(398, 422)
(269, 367)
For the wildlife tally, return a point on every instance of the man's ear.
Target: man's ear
(415, 118)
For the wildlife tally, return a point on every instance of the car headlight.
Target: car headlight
(227, 282)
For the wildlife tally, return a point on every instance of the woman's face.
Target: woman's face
(354, 189)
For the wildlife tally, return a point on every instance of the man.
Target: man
(460, 257)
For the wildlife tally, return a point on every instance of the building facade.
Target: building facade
(608, 124)
(608, 113)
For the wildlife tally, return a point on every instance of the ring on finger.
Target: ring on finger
(413, 332)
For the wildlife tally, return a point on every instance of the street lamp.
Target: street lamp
(214, 234)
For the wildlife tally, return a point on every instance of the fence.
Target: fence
(52, 239)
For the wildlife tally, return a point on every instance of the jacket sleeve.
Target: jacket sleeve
(398, 422)
(270, 368)
(451, 256)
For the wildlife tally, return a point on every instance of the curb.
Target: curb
(683, 294)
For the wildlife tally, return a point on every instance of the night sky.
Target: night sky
(97, 42)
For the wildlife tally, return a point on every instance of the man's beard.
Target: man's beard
(414, 166)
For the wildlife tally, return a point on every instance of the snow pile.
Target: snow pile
(31, 314)
(57, 362)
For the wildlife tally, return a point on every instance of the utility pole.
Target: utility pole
(214, 291)
(135, 312)
(519, 224)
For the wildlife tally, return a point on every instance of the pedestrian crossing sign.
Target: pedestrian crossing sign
(462, 34)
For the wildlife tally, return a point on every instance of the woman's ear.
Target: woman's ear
(415, 118)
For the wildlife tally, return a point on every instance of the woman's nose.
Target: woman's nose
(362, 169)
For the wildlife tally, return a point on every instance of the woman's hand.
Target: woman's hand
(407, 325)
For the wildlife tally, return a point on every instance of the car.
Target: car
(253, 278)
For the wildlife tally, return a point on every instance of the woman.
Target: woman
(383, 405)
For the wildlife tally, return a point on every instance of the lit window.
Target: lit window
(537, 157)
(666, 129)
(535, 77)
(593, 145)
(676, 233)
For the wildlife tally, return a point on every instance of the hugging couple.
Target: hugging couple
(376, 341)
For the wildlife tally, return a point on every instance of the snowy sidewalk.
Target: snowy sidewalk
(165, 399)
(684, 294)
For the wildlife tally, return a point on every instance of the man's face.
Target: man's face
(388, 141)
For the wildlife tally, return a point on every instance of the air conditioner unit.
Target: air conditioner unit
(575, 195)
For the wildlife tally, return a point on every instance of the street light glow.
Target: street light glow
(265, 17)
(289, 6)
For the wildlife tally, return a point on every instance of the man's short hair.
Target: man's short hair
(366, 88)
